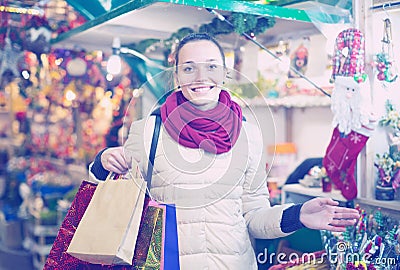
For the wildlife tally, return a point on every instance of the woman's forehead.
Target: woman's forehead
(200, 51)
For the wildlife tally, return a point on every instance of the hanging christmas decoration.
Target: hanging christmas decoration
(37, 35)
(349, 55)
(353, 119)
(241, 23)
(299, 61)
(384, 59)
(216, 27)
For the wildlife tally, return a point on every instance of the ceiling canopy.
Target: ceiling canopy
(136, 20)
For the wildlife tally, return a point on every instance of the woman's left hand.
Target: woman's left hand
(326, 214)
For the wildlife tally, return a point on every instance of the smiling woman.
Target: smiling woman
(200, 72)
(209, 163)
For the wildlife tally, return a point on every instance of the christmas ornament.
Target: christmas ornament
(340, 160)
(76, 67)
(353, 119)
(369, 244)
(351, 104)
(354, 123)
(37, 35)
(384, 59)
(299, 60)
(349, 55)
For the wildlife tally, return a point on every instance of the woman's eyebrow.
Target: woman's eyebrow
(193, 62)
(188, 62)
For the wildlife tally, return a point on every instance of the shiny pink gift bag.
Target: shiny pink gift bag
(58, 257)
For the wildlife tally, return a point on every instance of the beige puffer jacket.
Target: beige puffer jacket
(221, 199)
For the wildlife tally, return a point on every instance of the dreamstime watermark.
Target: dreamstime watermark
(340, 256)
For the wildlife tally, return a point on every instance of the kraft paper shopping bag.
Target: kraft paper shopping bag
(108, 230)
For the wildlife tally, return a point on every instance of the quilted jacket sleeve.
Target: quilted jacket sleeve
(263, 220)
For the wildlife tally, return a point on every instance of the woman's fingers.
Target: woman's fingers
(342, 222)
(113, 159)
(119, 165)
(328, 201)
(335, 228)
(346, 215)
(120, 161)
(117, 169)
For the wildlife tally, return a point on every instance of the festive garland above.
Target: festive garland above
(242, 23)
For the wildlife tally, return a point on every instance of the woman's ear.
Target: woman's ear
(177, 83)
(227, 75)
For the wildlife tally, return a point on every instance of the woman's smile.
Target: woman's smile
(202, 88)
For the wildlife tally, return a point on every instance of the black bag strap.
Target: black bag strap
(153, 147)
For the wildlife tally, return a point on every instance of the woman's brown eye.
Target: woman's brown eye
(187, 69)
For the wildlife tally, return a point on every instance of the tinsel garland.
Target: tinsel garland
(242, 23)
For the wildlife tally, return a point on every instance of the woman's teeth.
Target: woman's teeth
(201, 89)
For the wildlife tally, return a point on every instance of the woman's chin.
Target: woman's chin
(204, 103)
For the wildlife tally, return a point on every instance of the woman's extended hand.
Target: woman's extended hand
(325, 214)
(114, 159)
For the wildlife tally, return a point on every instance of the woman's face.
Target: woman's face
(200, 73)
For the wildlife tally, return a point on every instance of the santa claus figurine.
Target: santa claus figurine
(354, 120)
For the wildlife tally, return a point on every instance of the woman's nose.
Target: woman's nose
(201, 73)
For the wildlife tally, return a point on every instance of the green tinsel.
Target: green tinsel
(216, 27)
(243, 23)
(263, 24)
(182, 32)
(143, 45)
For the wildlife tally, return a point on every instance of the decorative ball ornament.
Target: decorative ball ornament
(76, 67)
(384, 67)
(384, 59)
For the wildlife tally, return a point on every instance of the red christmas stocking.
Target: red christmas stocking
(340, 160)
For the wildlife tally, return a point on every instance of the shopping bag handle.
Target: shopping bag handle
(112, 175)
(153, 147)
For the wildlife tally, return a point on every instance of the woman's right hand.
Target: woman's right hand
(114, 159)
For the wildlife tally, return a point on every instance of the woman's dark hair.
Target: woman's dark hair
(197, 37)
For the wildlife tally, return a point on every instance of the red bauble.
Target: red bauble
(381, 76)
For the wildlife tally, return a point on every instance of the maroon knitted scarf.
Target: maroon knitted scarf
(215, 130)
